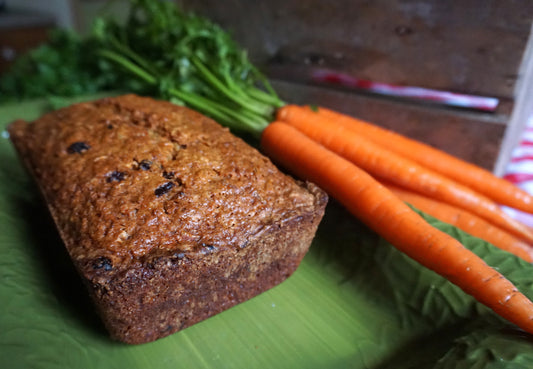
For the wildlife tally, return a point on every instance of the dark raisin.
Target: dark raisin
(145, 164)
(168, 175)
(78, 147)
(115, 176)
(163, 189)
(103, 262)
(169, 328)
(207, 249)
(109, 126)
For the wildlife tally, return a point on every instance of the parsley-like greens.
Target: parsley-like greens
(159, 51)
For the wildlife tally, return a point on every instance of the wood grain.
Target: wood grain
(472, 46)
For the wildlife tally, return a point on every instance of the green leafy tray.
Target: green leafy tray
(355, 302)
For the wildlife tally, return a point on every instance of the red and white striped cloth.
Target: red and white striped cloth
(519, 170)
(484, 103)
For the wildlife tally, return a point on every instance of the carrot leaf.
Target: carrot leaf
(453, 328)
(512, 267)
(422, 294)
(487, 348)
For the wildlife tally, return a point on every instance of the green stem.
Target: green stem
(270, 90)
(264, 97)
(270, 100)
(240, 100)
(125, 49)
(245, 116)
(235, 118)
(232, 118)
(194, 101)
(126, 63)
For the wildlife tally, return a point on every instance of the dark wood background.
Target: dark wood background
(468, 46)
(472, 46)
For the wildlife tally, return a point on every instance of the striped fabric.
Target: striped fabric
(519, 170)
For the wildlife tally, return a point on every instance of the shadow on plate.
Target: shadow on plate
(44, 246)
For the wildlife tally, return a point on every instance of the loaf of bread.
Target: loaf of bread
(167, 216)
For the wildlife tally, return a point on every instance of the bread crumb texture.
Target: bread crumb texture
(142, 190)
(130, 176)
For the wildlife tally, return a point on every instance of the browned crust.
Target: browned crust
(161, 280)
(155, 290)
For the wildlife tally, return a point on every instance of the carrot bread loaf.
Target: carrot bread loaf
(168, 217)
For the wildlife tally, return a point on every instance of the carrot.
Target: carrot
(466, 221)
(470, 175)
(396, 222)
(386, 165)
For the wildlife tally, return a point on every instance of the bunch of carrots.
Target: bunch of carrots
(374, 173)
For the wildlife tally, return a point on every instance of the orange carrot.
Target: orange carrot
(386, 165)
(383, 212)
(466, 221)
(470, 175)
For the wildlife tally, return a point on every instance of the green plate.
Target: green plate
(354, 302)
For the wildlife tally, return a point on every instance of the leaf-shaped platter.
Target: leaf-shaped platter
(355, 302)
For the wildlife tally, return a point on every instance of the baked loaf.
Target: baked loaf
(167, 216)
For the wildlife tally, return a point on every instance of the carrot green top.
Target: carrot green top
(159, 51)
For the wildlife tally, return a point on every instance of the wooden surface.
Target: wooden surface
(21, 31)
(472, 46)
(16, 41)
